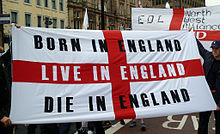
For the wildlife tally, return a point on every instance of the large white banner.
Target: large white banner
(81, 75)
(204, 20)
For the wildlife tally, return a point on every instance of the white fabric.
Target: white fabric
(28, 98)
(85, 21)
(202, 19)
(167, 6)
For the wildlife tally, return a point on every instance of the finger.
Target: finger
(18, 26)
(5, 124)
(190, 29)
(9, 122)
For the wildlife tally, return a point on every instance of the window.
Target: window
(74, 23)
(164, 1)
(27, 19)
(62, 24)
(54, 23)
(47, 22)
(157, 2)
(27, 1)
(14, 17)
(100, 23)
(76, 1)
(121, 9)
(61, 5)
(131, 1)
(92, 21)
(111, 24)
(77, 24)
(74, 14)
(111, 6)
(39, 21)
(94, 3)
(77, 14)
(46, 4)
(54, 4)
(153, 2)
(39, 2)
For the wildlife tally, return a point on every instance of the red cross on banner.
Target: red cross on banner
(120, 73)
(116, 77)
(119, 87)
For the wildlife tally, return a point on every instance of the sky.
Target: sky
(212, 2)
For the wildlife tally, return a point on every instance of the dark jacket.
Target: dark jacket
(208, 61)
(207, 56)
(5, 99)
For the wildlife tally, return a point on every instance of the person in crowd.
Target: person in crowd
(5, 98)
(211, 68)
(49, 128)
(31, 128)
(54, 128)
(122, 122)
(85, 127)
(64, 128)
(143, 125)
(99, 127)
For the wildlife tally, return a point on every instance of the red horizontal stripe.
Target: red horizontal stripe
(26, 71)
(205, 35)
(191, 68)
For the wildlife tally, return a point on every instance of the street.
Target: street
(178, 124)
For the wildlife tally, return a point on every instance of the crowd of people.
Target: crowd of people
(212, 73)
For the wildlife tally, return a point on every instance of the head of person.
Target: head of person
(216, 49)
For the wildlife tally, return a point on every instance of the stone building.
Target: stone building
(35, 13)
(175, 3)
(117, 12)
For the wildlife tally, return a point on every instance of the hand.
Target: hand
(218, 108)
(191, 28)
(6, 121)
(18, 26)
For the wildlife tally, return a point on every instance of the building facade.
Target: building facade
(175, 3)
(70, 13)
(117, 12)
(36, 13)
